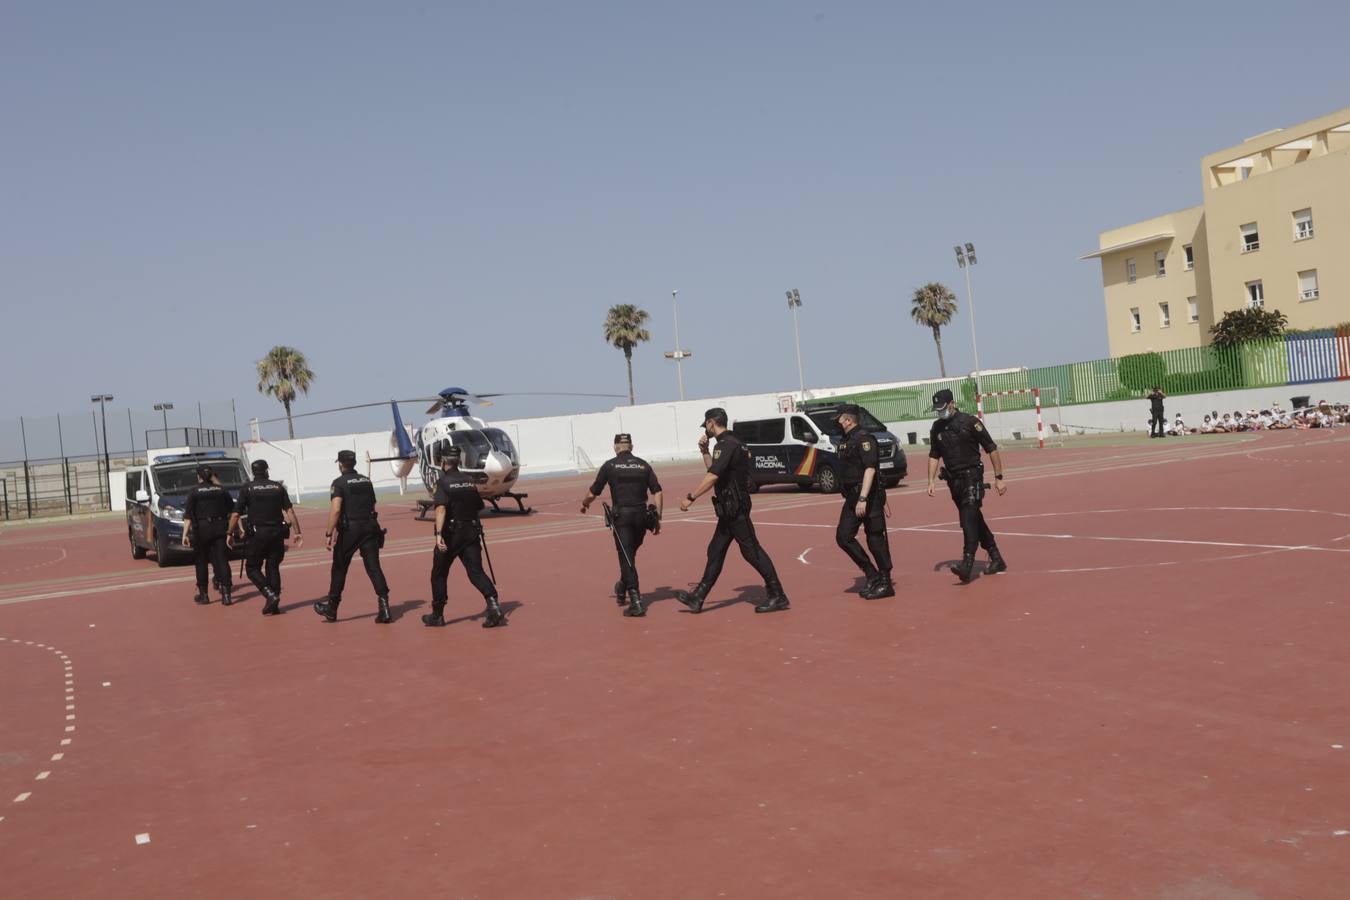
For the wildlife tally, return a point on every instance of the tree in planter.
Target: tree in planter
(623, 329)
(1240, 325)
(933, 306)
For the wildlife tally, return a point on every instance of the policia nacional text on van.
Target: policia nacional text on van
(956, 440)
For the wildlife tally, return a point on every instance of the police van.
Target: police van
(802, 448)
(157, 491)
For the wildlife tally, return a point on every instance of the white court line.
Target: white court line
(22, 797)
(801, 557)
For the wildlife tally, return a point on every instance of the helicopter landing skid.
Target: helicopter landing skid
(424, 507)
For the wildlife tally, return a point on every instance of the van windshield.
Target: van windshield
(825, 422)
(180, 479)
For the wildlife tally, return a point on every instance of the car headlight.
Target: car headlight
(172, 513)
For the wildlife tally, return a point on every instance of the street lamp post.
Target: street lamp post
(163, 410)
(678, 354)
(966, 260)
(794, 301)
(102, 400)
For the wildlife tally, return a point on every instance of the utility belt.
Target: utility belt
(649, 518)
(731, 504)
(945, 474)
(345, 522)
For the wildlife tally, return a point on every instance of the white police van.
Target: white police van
(157, 491)
(802, 448)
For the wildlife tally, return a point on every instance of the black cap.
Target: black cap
(942, 398)
(347, 457)
(259, 466)
(717, 413)
(848, 409)
(624, 437)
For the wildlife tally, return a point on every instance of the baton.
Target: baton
(482, 539)
(609, 523)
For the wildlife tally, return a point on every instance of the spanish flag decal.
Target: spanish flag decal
(808, 466)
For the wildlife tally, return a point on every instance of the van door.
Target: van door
(804, 454)
(138, 514)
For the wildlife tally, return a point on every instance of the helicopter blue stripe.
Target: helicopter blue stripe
(405, 447)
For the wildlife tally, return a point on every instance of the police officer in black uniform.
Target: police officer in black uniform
(353, 525)
(206, 525)
(864, 504)
(271, 519)
(728, 476)
(1157, 418)
(630, 479)
(956, 440)
(457, 532)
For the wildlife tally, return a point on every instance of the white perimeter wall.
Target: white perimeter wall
(669, 431)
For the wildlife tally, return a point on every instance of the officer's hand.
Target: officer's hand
(657, 529)
(440, 543)
(1000, 486)
(930, 488)
(685, 504)
(329, 545)
(187, 539)
(299, 539)
(229, 541)
(703, 444)
(861, 509)
(584, 506)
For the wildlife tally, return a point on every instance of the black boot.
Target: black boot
(225, 598)
(382, 617)
(434, 619)
(201, 598)
(273, 605)
(873, 578)
(775, 601)
(882, 588)
(494, 618)
(327, 608)
(965, 568)
(996, 563)
(635, 608)
(693, 599)
(619, 596)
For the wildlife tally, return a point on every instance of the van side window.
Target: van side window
(771, 431)
(747, 431)
(133, 483)
(801, 429)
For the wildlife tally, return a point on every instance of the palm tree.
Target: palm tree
(933, 306)
(623, 329)
(282, 372)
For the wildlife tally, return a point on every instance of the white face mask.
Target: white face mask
(947, 412)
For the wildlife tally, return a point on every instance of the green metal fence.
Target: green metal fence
(1191, 370)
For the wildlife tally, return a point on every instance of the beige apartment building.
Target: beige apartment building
(1273, 231)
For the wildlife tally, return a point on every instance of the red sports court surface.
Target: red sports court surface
(1151, 703)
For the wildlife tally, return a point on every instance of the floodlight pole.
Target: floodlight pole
(794, 301)
(102, 400)
(163, 410)
(966, 260)
(677, 354)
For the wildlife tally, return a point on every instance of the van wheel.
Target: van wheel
(161, 550)
(827, 481)
(137, 551)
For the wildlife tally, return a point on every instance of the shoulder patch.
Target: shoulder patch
(717, 453)
(867, 445)
(979, 427)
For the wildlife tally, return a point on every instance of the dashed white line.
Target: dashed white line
(42, 776)
(143, 838)
(22, 797)
(57, 757)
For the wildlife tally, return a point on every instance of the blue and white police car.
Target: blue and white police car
(157, 491)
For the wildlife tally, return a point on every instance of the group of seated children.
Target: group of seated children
(1323, 415)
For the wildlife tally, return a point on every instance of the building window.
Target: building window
(1303, 225)
(1256, 295)
(1190, 257)
(1251, 239)
(1134, 319)
(1160, 263)
(1130, 274)
(1164, 316)
(1194, 309)
(1307, 285)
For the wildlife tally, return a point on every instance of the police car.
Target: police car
(802, 448)
(156, 493)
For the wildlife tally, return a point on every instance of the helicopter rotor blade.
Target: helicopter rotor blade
(336, 409)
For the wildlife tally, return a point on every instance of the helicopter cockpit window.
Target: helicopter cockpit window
(473, 448)
(501, 442)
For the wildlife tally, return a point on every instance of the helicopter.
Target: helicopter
(487, 454)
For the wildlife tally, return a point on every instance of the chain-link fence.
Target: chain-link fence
(58, 465)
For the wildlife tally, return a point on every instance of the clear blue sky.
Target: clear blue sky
(421, 195)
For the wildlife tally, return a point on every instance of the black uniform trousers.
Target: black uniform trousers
(739, 529)
(362, 535)
(262, 557)
(1155, 424)
(461, 543)
(630, 528)
(967, 487)
(874, 526)
(208, 547)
